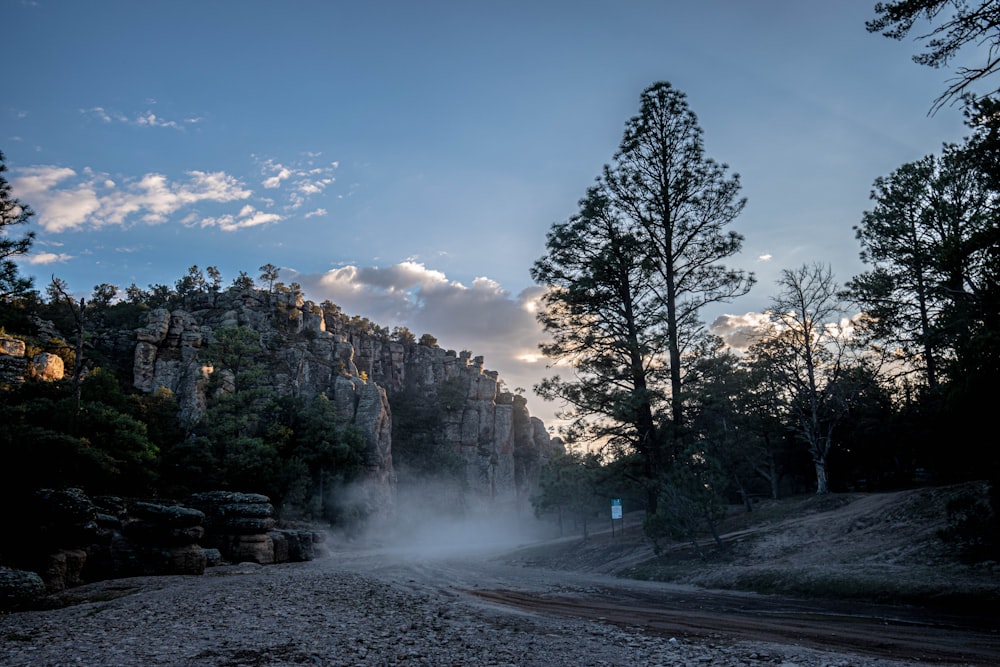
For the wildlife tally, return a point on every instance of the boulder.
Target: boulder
(64, 569)
(11, 346)
(19, 588)
(254, 548)
(47, 367)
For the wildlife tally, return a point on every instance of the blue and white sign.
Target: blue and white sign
(616, 508)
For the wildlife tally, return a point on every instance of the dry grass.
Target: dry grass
(872, 547)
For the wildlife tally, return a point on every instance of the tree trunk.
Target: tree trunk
(821, 478)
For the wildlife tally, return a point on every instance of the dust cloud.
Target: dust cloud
(438, 521)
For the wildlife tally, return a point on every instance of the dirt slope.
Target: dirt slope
(876, 547)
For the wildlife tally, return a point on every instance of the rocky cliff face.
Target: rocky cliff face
(311, 352)
(502, 447)
(302, 359)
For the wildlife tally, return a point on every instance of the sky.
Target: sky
(406, 159)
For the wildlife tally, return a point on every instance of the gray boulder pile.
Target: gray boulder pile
(65, 539)
(242, 527)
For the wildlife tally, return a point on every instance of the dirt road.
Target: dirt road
(438, 606)
(908, 634)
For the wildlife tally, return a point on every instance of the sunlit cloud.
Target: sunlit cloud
(247, 217)
(43, 258)
(65, 200)
(740, 331)
(482, 316)
(766, 257)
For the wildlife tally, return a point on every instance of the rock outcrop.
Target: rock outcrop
(502, 447)
(302, 359)
(64, 538)
(15, 365)
(311, 351)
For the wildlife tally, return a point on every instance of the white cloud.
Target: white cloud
(247, 217)
(142, 119)
(59, 205)
(275, 181)
(306, 178)
(105, 116)
(47, 258)
(313, 214)
(766, 257)
(151, 120)
(64, 201)
(739, 331)
(482, 317)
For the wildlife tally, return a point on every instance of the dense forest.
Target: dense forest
(882, 380)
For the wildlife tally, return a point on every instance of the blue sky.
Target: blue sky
(405, 159)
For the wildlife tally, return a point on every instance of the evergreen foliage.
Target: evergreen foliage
(12, 213)
(845, 389)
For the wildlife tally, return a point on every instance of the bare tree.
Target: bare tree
(59, 291)
(810, 350)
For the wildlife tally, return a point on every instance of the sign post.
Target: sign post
(616, 514)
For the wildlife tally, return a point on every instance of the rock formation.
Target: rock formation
(302, 359)
(65, 538)
(15, 365)
(311, 351)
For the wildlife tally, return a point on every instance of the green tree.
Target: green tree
(403, 336)
(136, 296)
(765, 443)
(661, 182)
(243, 282)
(160, 296)
(234, 427)
(418, 429)
(933, 240)
(719, 429)
(214, 279)
(12, 213)
(602, 311)
(190, 284)
(569, 486)
(48, 439)
(268, 275)
(323, 456)
(691, 503)
(970, 24)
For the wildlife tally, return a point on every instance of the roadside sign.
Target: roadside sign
(616, 508)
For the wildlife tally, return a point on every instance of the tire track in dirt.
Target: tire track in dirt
(888, 632)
